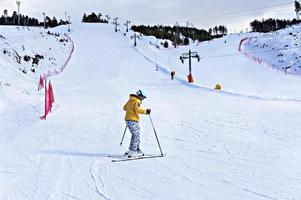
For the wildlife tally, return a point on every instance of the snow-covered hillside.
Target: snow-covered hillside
(242, 142)
(33, 49)
(25, 54)
(280, 50)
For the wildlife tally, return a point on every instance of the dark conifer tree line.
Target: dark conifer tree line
(29, 21)
(93, 18)
(180, 35)
(269, 25)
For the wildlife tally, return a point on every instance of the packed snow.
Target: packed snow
(238, 143)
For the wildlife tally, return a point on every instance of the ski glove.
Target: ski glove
(148, 111)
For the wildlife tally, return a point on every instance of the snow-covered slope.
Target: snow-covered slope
(281, 49)
(222, 63)
(33, 49)
(219, 145)
(25, 54)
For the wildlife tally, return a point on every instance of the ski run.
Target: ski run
(239, 143)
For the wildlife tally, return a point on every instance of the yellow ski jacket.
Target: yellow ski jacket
(132, 108)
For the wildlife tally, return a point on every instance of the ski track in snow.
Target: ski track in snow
(98, 178)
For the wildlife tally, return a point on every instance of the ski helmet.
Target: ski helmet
(141, 94)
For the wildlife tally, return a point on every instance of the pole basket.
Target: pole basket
(190, 78)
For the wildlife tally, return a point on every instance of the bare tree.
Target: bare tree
(297, 9)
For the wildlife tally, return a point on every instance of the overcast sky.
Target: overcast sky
(235, 14)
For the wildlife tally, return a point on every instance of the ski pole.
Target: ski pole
(156, 134)
(123, 135)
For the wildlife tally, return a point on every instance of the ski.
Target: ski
(117, 156)
(137, 158)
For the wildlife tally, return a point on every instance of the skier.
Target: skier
(172, 74)
(132, 108)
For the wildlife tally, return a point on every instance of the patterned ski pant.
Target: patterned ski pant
(135, 131)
